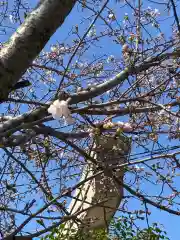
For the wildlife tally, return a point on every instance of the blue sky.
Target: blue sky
(170, 222)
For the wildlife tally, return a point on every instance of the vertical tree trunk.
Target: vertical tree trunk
(102, 189)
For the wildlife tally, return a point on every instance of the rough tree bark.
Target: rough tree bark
(30, 38)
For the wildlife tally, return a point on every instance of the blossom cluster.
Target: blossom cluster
(152, 12)
(123, 125)
(92, 32)
(59, 109)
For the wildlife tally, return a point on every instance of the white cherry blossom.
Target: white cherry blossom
(59, 109)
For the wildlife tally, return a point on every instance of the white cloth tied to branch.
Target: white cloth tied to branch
(59, 109)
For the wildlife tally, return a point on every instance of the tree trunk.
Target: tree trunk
(30, 38)
(110, 153)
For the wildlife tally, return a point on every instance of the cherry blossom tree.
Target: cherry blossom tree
(72, 72)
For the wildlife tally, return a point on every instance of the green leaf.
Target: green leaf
(40, 222)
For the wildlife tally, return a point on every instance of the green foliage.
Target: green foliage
(99, 234)
(124, 228)
(120, 229)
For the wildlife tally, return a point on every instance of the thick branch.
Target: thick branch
(29, 39)
(119, 78)
(125, 111)
(86, 95)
